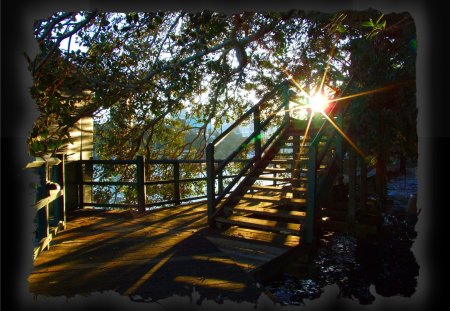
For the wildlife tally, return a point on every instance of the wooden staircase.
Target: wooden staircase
(268, 199)
(275, 192)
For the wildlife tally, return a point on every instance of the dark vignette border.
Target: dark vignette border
(18, 114)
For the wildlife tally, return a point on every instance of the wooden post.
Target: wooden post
(380, 176)
(80, 184)
(42, 225)
(296, 169)
(87, 176)
(210, 182)
(63, 185)
(363, 185)
(257, 129)
(351, 186)
(339, 143)
(220, 181)
(140, 182)
(311, 195)
(60, 203)
(285, 97)
(176, 181)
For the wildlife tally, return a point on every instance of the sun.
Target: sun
(318, 102)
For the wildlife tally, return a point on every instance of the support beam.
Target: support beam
(257, 130)
(311, 195)
(363, 184)
(210, 182)
(176, 182)
(285, 96)
(42, 214)
(296, 167)
(351, 187)
(339, 141)
(140, 182)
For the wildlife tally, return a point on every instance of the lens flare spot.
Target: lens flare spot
(318, 102)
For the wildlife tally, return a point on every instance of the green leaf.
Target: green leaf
(340, 29)
(379, 18)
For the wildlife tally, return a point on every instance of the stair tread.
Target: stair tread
(289, 228)
(291, 214)
(278, 188)
(283, 170)
(281, 178)
(274, 199)
(290, 154)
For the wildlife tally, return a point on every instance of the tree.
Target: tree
(141, 74)
(142, 69)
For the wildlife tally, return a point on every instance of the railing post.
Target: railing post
(140, 182)
(176, 181)
(311, 195)
(87, 176)
(285, 97)
(42, 192)
(210, 182)
(363, 184)
(80, 179)
(60, 203)
(63, 186)
(220, 180)
(351, 186)
(339, 144)
(296, 169)
(257, 129)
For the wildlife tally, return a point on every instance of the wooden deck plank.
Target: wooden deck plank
(157, 254)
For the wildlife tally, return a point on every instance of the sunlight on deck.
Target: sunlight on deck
(156, 254)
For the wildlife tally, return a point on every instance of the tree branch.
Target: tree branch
(61, 38)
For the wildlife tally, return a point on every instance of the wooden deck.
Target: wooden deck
(154, 256)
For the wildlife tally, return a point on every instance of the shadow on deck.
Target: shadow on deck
(150, 257)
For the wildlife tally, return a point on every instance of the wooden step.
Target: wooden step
(283, 170)
(283, 161)
(287, 179)
(247, 249)
(277, 188)
(265, 238)
(298, 216)
(290, 155)
(271, 199)
(261, 224)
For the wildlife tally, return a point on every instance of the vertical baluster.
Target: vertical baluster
(257, 129)
(176, 181)
(140, 182)
(339, 144)
(311, 195)
(351, 186)
(220, 180)
(210, 182)
(63, 187)
(43, 226)
(363, 184)
(285, 98)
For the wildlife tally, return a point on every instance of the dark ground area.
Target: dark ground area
(384, 260)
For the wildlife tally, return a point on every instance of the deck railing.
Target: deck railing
(50, 203)
(254, 115)
(143, 201)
